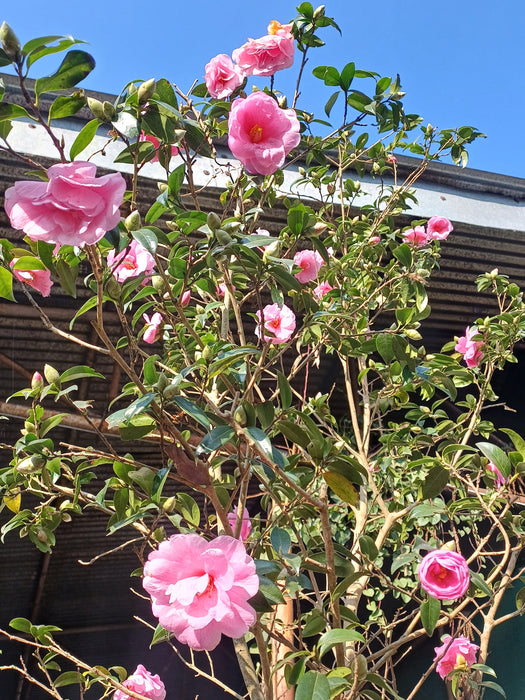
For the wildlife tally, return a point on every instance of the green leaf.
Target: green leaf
(494, 686)
(6, 284)
(20, 624)
(142, 151)
(338, 636)
(285, 392)
(8, 111)
(280, 540)
(74, 68)
(347, 75)
(330, 103)
(480, 583)
(496, 455)
(65, 106)
(368, 547)
(84, 138)
(430, 611)
(293, 432)
(215, 439)
(29, 262)
(138, 406)
(517, 441)
(328, 74)
(160, 635)
(137, 428)
(4, 59)
(68, 678)
(79, 372)
(435, 481)
(192, 410)
(342, 487)
(520, 599)
(147, 238)
(262, 440)
(313, 685)
(403, 254)
(176, 179)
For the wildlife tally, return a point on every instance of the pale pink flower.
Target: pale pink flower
(153, 327)
(444, 575)
(470, 349)
(500, 479)
(322, 289)
(200, 590)
(133, 261)
(278, 324)
(221, 289)
(270, 53)
(261, 134)
(222, 76)
(156, 143)
(455, 655)
(37, 279)
(185, 298)
(310, 262)
(416, 236)
(374, 239)
(143, 682)
(438, 228)
(74, 208)
(246, 526)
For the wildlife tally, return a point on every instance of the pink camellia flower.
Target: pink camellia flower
(374, 239)
(278, 324)
(221, 289)
(270, 53)
(500, 479)
(470, 349)
(200, 590)
(310, 262)
(261, 134)
(444, 575)
(322, 289)
(74, 208)
(185, 298)
(156, 143)
(152, 331)
(416, 236)
(133, 261)
(37, 279)
(222, 76)
(143, 682)
(438, 228)
(246, 526)
(456, 655)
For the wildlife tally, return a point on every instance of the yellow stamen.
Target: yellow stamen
(256, 133)
(274, 27)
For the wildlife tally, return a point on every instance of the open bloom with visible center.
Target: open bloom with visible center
(270, 53)
(470, 349)
(416, 236)
(222, 76)
(37, 279)
(500, 479)
(200, 590)
(278, 324)
(438, 228)
(153, 327)
(310, 262)
(261, 134)
(74, 208)
(131, 262)
(143, 682)
(444, 575)
(456, 655)
(246, 525)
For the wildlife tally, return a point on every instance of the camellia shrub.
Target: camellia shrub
(370, 527)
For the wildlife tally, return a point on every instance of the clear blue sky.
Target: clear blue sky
(460, 61)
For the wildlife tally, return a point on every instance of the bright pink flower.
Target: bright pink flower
(500, 479)
(310, 262)
(416, 236)
(261, 134)
(37, 279)
(270, 53)
(470, 349)
(133, 261)
(374, 239)
(456, 655)
(444, 575)
(221, 289)
(185, 298)
(73, 208)
(156, 143)
(152, 330)
(278, 324)
(222, 76)
(143, 682)
(246, 526)
(200, 590)
(391, 158)
(438, 228)
(322, 289)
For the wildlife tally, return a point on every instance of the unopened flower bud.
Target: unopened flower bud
(31, 465)
(108, 110)
(10, 43)
(97, 108)
(223, 237)
(146, 90)
(169, 504)
(158, 283)
(207, 353)
(173, 389)
(271, 251)
(37, 381)
(240, 416)
(133, 222)
(42, 535)
(283, 102)
(162, 186)
(162, 382)
(51, 374)
(113, 288)
(319, 12)
(213, 220)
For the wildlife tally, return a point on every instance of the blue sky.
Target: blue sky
(460, 61)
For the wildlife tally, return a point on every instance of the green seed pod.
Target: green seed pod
(146, 90)
(52, 375)
(213, 221)
(133, 222)
(10, 43)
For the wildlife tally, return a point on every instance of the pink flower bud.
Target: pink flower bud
(37, 381)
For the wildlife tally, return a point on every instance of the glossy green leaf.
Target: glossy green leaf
(293, 432)
(39, 47)
(313, 686)
(84, 138)
(9, 111)
(65, 106)
(68, 678)
(261, 439)
(280, 540)
(79, 372)
(430, 611)
(342, 487)
(215, 439)
(338, 636)
(192, 410)
(6, 284)
(147, 238)
(435, 481)
(74, 68)
(496, 455)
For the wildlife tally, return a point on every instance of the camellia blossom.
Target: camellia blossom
(156, 143)
(221, 289)
(444, 575)
(456, 655)
(270, 53)
(416, 236)
(74, 208)
(37, 279)
(153, 324)
(200, 590)
(261, 134)
(470, 349)
(278, 324)
(322, 289)
(500, 479)
(131, 262)
(143, 682)
(222, 76)
(438, 228)
(185, 298)
(310, 262)
(246, 526)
